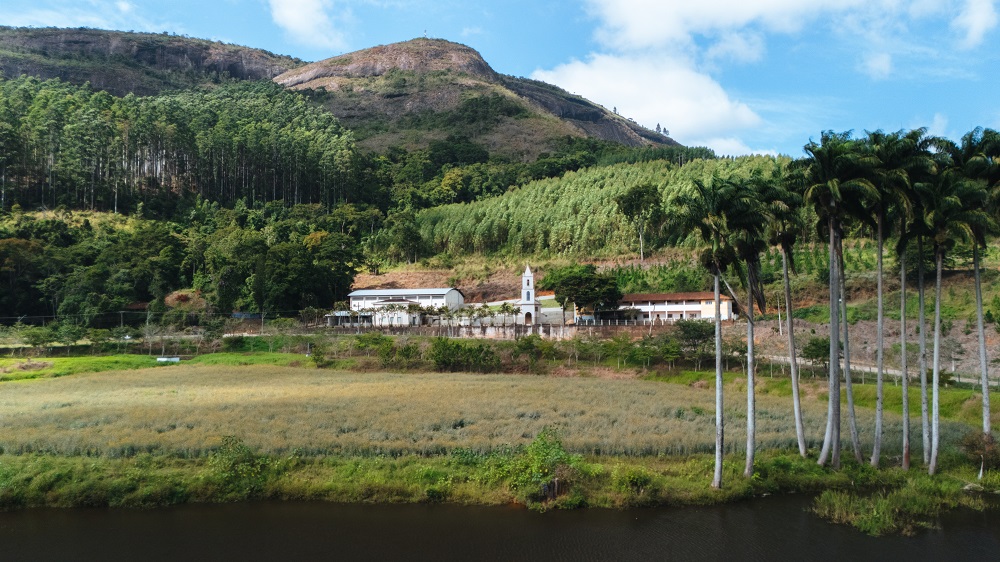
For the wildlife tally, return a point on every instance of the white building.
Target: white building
(400, 307)
(670, 307)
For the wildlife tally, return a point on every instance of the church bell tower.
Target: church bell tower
(530, 307)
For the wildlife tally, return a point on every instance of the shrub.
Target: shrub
(632, 481)
(454, 355)
(981, 448)
(233, 343)
(238, 469)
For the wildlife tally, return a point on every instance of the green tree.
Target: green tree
(955, 209)
(641, 204)
(833, 173)
(583, 286)
(976, 158)
(709, 210)
(38, 336)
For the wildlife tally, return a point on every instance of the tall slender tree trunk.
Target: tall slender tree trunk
(879, 356)
(793, 362)
(905, 375)
(852, 419)
(831, 439)
(984, 376)
(922, 361)
(936, 382)
(719, 434)
(751, 395)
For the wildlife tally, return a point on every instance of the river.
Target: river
(778, 528)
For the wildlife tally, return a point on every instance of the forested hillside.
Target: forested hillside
(131, 63)
(104, 270)
(576, 214)
(71, 146)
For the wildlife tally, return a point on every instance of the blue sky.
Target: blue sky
(739, 76)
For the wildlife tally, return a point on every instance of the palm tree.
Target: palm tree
(747, 231)
(506, 309)
(785, 224)
(976, 159)
(954, 208)
(708, 211)
(833, 182)
(897, 157)
(920, 167)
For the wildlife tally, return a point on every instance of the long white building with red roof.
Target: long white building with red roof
(670, 307)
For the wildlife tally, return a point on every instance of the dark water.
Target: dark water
(768, 529)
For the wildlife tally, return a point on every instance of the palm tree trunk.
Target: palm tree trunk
(903, 359)
(936, 400)
(831, 439)
(719, 434)
(877, 446)
(983, 365)
(751, 380)
(922, 362)
(849, 387)
(794, 364)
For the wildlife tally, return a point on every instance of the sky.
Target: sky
(738, 76)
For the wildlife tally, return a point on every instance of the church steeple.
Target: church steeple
(527, 286)
(530, 307)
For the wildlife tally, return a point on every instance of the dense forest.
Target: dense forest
(250, 196)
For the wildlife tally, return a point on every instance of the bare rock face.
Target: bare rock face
(389, 83)
(418, 55)
(140, 63)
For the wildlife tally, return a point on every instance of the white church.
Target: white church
(409, 307)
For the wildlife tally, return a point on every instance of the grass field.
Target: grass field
(185, 410)
(237, 426)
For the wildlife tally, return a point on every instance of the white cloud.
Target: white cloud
(690, 104)
(124, 7)
(740, 47)
(471, 31)
(939, 126)
(877, 65)
(639, 24)
(976, 18)
(310, 22)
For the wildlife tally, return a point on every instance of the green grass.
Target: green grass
(49, 367)
(255, 358)
(914, 503)
(20, 369)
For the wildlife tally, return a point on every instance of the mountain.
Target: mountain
(408, 93)
(126, 62)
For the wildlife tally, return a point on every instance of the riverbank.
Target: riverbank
(541, 476)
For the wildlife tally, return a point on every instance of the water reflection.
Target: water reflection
(768, 529)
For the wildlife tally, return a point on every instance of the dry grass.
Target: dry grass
(185, 410)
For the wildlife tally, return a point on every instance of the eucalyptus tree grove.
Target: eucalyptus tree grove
(71, 146)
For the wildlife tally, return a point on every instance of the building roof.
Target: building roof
(672, 297)
(403, 292)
